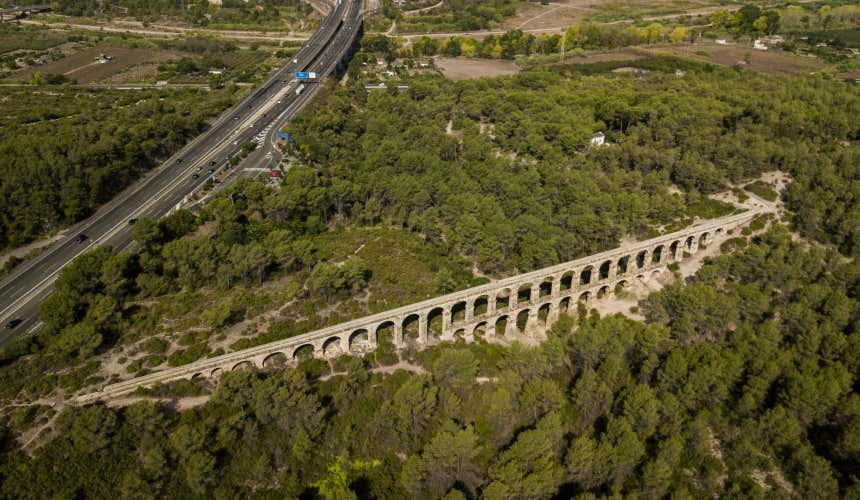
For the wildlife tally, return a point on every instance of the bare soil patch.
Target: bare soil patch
(464, 68)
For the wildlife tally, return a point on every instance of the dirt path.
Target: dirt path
(542, 14)
(423, 9)
(320, 6)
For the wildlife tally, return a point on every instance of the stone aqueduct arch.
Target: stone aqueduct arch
(480, 309)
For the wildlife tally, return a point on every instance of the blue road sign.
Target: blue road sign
(302, 74)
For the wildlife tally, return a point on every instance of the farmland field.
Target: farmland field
(13, 37)
(83, 67)
(770, 61)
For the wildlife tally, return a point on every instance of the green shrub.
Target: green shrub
(153, 361)
(733, 244)
(759, 222)
(155, 345)
(762, 190)
(185, 356)
(314, 368)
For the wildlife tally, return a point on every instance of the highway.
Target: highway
(267, 156)
(166, 186)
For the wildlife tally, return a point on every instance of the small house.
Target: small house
(759, 45)
(597, 139)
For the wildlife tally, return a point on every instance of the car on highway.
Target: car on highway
(81, 238)
(132, 222)
(179, 160)
(12, 323)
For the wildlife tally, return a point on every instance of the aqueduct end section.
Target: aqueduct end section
(526, 304)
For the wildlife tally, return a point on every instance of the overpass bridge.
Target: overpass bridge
(493, 310)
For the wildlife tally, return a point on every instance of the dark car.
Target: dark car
(211, 170)
(12, 323)
(81, 238)
(194, 176)
(132, 222)
(211, 162)
(179, 160)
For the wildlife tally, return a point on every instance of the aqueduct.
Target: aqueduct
(524, 304)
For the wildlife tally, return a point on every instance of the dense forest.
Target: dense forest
(517, 159)
(742, 383)
(65, 150)
(510, 185)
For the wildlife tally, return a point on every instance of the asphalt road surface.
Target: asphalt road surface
(165, 187)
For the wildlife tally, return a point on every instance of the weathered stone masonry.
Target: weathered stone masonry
(532, 300)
